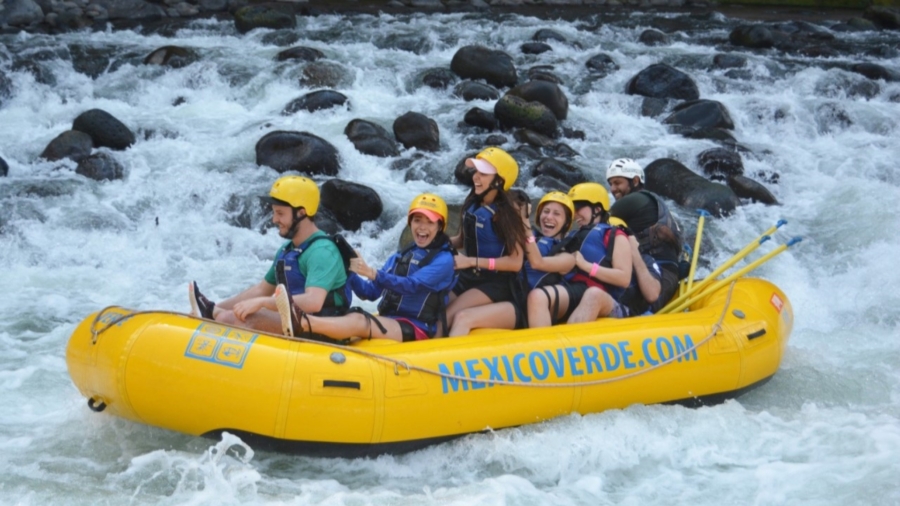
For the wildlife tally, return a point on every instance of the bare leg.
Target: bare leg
(352, 325)
(596, 303)
(540, 306)
(263, 320)
(470, 298)
(499, 315)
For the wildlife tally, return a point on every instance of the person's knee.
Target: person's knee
(537, 299)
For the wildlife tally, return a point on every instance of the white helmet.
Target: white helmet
(625, 167)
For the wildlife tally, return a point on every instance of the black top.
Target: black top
(637, 209)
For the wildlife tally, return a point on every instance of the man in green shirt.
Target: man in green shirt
(309, 264)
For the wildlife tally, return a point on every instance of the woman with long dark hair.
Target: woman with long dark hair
(491, 240)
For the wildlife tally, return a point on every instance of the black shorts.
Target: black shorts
(668, 285)
(498, 288)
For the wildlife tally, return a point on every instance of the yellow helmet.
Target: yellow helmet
(617, 222)
(594, 193)
(558, 197)
(504, 164)
(295, 191)
(430, 205)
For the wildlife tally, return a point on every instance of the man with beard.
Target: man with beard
(311, 268)
(656, 230)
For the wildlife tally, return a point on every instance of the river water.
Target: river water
(825, 430)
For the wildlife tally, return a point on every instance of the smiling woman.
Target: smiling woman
(412, 285)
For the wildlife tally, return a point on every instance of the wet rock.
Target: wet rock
(479, 62)
(415, 130)
(831, 117)
(652, 107)
(70, 144)
(212, 5)
(855, 24)
(884, 17)
(281, 38)
(562, 150)
(261, 16)
(757, 36)
(4, 168)
(874, 71)
(849, 85)
(535, 48)
(663, 81)
(546, 93)
(89, 60)
(409, 42)
(439, 78)
(327, 221)
(720, 163)
(573, 133)
(545, 34)
(713, 134)
(470, 90)
(653, 37)
(371, 139)
(701, 114)
(563, 172)
(171, 56)
(549, 184)
(601, 65)
(543, 73)
(297, 151)
(132, 10)
(316, 101)
(325, 74)
(42, 74)
(669, 178)
(351, 203)
(481, 118)
(729, 61)
(99, 167)
(104, 129)
(20, 13)
(746, 188)
(532, 138)
(463, 174)
(300, 53)
(5, 87)
(512, 112)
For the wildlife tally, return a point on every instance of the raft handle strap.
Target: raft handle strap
(96, 405)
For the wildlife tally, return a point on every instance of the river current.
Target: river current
(825, 430)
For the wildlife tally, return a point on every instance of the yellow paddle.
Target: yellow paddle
(725, 266)
(749, 267)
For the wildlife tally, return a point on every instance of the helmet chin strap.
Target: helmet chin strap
(294, 224)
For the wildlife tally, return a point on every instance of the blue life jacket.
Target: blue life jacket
(424, 308)
(480, 240)
(548, 246)
(596, 246)
(287, 272)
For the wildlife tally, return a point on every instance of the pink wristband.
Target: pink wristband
(491, 265)
(530, 239)
(594, 268)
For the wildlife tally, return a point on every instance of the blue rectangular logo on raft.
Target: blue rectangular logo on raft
(220, 345)
(572, 363)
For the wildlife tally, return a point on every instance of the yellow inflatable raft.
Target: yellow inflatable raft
(197, 377)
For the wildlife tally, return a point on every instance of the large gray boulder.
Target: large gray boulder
(70, 144)
(479, 62)
(415, 130)
(663, 81)
(297, 151)
(104, 129)
(546, 93)
(20, 13)
(513, 112)
(669, 178)
(371, 138)
(351, 203)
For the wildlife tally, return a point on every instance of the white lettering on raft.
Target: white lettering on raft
(572, 363)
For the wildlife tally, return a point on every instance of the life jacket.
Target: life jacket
(663, 239)
(287, 272)
(480, 240)
(427, 307)
(534, 278)
(596, 246)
